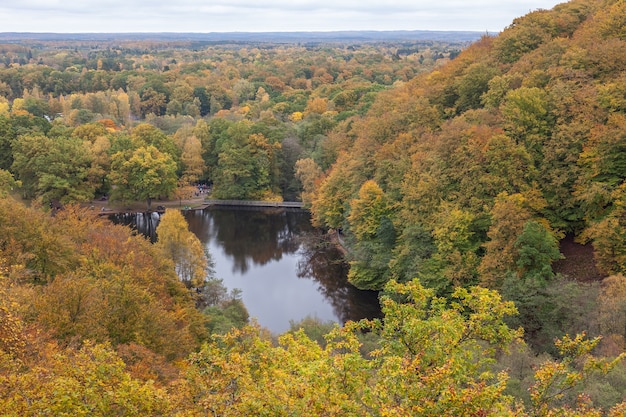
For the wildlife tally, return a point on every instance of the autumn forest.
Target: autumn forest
(477, 183)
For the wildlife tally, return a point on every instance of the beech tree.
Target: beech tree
(7, 182)
(612, 308)
(91, 381)
(528, 118)
(145, 175)
(192, 261)
(307, 172)
(7, 136)
(191, 160)
(369, 221)
(508, 217)
(54, 169)
(367, 211)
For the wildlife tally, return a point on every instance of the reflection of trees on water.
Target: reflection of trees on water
(142, 223)
(249, 234)
(259, 236)
(322, 262)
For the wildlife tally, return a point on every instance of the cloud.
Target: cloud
(269, 15)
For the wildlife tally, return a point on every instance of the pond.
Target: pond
(286, 269)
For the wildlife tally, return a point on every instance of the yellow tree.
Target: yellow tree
(608, 235)
(92, 381)
(190, 258)
(433, 361)
(556, 380)
(612, 309)
(455, 261)
(508, 216)
(308, 173)
(332, 197)
(7, 182)
(434, 358)
(191, 159)
(375, 234)
(367, 211)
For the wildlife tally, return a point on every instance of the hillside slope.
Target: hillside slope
(439, 179)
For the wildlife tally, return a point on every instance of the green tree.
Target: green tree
(54, 169)
(528, 118)
(472, 85)
(536, 248)
(454, 264)
(7, 182)
(234, 175)
(332, 197)
(608, 234)
(247, 165)
(145, 175)
(153, 102)
(508, 217)
(530, 284)
(229, 314)
(369, 221)
(205, 100)
(7, 136)
(147, 135)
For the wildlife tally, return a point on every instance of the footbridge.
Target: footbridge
(250, 203)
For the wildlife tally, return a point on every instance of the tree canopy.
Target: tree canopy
(440, 170)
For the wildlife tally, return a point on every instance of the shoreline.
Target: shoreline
(335, 239)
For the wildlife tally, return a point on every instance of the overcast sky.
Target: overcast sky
(261, 15)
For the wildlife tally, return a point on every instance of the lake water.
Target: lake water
(283, 266)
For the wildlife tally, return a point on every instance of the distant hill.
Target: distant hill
(286, 37)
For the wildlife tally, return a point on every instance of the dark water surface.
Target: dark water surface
(283, 266)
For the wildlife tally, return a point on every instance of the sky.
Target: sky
(204, 16)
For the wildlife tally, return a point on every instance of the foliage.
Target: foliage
(434, 359)
(101, 283)
(228, 314)
(433, 356)
(146, 174)
(192, 262)
(243, 373)
(536, 250)
(554, 379)
(468, 173)
(506, 133)
(54, 169)
(307, 172)
(612, 307)
(7, 182)
(90, 381)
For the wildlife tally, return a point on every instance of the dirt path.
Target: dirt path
(579, 263)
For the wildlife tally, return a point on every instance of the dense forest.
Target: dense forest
(454, 174)
(237, 116)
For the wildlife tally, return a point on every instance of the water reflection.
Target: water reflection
(143, 223)
(250, 235)
(284, 267)
(320, 261)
